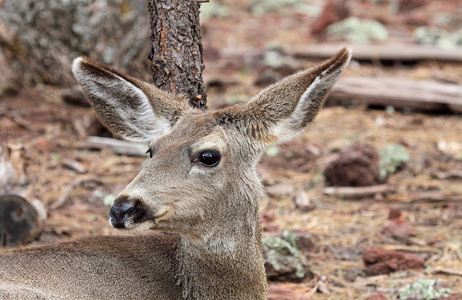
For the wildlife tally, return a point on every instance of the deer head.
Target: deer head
(201, 179)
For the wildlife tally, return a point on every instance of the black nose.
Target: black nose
(121, 214)
(125, 212)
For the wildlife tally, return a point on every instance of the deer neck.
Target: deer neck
(228, 262)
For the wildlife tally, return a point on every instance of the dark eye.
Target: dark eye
(210, 158)
(150, 152)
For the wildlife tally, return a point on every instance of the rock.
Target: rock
(283, 261)
(392, 159)
(281, 293)
(428, 35)
(425, 289)
(40, 39)
(377, 296)
(259, 7)
(214, 10)
(398, 229)
(358, 31)
(20, 222)
(394, 213)
(333, 12)
(379, 261)
(357, 165)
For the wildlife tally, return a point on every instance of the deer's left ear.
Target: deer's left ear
(283, 110)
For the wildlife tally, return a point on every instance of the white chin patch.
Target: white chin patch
(136, 228)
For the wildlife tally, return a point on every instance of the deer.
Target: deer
(200, 191)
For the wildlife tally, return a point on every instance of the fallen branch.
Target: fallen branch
(356, 192)
(389, 52)
(117, 146)
(74, 165)
(399, 92)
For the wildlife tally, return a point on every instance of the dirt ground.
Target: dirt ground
(425, 195)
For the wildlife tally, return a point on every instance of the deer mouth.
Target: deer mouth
(162, 214)
(149, 224)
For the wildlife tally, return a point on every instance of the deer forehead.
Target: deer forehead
(196, 131)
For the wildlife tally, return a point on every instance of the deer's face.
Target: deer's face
(189, 178)
(202, 172)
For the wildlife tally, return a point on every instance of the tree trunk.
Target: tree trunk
(40, 38)
(176, 49)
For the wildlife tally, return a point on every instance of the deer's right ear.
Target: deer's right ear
(131, 109)
(284, 109)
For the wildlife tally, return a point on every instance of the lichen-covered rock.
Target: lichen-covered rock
(40, 38)
(283, 261)
(358, 31)
(260, 7)
(392, 158)
(425, 289)
(438, 37)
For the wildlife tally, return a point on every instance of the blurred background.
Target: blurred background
(366, 204)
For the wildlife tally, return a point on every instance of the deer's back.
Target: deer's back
(141, 267)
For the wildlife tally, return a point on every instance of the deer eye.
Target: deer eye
(210, 158)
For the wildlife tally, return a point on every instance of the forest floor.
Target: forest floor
(420, 212)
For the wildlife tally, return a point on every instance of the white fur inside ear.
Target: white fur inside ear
(118, 98)
(284, 130)
(140, 116)
(307, 104)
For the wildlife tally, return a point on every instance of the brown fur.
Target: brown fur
(214, 210)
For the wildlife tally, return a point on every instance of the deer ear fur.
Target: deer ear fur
(284, 109)
(133, 110)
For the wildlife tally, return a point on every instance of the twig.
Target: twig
(74, 165)
(117, 146)
(356, 192)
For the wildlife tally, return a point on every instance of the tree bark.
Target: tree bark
(40, 38)
(176, 49)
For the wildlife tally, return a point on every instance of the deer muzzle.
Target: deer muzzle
(127, 213)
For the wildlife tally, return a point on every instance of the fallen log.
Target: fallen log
(421, 95)
(388, 52)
